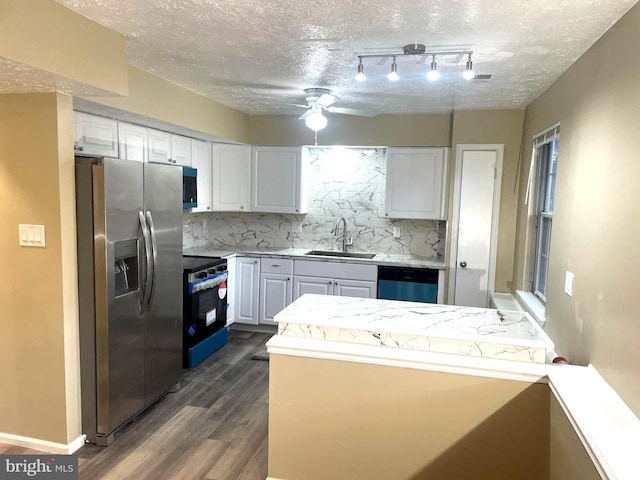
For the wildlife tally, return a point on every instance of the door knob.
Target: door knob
(463, 264)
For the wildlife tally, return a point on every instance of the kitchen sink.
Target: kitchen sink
(328, 253)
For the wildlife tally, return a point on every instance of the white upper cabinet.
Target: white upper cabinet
(180, 150)
(133, 142)
(278, 184)
(159, 146)
(95, 135)
(169, 148)
(201, 161)
(231, 176)
(417, 180)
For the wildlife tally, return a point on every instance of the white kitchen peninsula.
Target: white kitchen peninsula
(414, 326)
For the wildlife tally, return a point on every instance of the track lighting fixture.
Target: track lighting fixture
(417, 49)
(468, 73)
(361, 77)
(393, 75)
(433, 74)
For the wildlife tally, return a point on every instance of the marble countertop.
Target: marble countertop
(299, 253)
(416, 326)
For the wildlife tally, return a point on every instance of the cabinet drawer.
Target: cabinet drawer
(350, 271)
(277, 265)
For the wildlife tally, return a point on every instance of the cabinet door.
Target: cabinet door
(275, 294)
(277, 180)
(247, 290)
(95, 135)
(231, 290)
(133, 142)
(231, 175)
(159, 146)
(355, 288)
(316, 285)
(201, 161)
(180, 150)
(415, 184)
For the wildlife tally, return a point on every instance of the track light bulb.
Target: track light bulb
(315, 120)
(361, 77)
(433, 74)
(468, 73)
(393, 75)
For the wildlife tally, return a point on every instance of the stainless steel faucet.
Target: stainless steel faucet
(336, 230)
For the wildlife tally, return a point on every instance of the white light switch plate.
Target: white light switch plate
(31, 235)
(396, 232)
(568, 283)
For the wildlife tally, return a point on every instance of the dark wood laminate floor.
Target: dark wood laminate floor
(214, 428)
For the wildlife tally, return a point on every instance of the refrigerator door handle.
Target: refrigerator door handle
(148, 270)
(154, 249)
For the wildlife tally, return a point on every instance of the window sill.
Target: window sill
(533, 305)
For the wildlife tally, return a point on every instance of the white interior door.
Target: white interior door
(475, 226)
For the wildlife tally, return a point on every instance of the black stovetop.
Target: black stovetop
(191, 264)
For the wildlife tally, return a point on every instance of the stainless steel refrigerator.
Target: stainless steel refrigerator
(129, 228)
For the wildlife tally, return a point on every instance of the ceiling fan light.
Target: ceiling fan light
(433, 74)
(393, 75)
(361, 77)
(316, 121)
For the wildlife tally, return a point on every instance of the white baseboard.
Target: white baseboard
(42, 445)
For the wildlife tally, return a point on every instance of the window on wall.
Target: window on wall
(546, 147)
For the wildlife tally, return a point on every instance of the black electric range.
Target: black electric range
(204, 320)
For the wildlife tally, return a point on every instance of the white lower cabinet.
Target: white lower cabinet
(334, 278)
(314, 285)
(247, 272)
(276, 287)
(231, 290)
(355, 288)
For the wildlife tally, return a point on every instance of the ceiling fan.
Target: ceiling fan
(319, 100)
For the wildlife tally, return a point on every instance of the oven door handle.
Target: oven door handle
(154, 257)
(145, 273)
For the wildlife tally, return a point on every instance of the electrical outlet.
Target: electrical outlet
(568, 283)
(396, 232)
(296, 227)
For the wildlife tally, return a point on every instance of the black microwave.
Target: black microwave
(189, 187)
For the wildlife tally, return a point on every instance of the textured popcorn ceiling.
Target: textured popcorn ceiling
(259, 55)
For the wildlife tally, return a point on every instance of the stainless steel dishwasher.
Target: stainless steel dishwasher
(408, 284)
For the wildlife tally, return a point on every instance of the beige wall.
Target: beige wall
(494, 127)
(157, 98)
(341, 420)
(595, 225)
(39, 370)
(47, 36)
(384, 130)
(568, 459)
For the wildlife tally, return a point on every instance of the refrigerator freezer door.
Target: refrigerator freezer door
(163, 209)
(120, 328)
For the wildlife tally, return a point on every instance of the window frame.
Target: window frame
(544, 194)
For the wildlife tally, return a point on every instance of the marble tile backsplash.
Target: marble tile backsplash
(343, 182)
